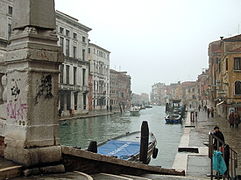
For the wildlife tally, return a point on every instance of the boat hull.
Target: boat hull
(127, 147)
(134, 113)
(173, 119)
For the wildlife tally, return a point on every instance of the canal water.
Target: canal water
(80, 132)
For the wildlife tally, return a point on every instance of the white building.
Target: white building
(6, 12)
(99, 80)
(73, 38)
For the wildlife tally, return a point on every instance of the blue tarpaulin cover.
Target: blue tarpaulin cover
(218, 162)
(120, 149)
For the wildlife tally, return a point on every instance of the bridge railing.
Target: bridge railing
(229, 156)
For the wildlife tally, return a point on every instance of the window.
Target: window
(61, 30)
(75, 100)
(75, 70)
(74, 35)
(89, 50)
(237, 63)
(83, 39)
(226, 64)
(83, 76)
(67, 33)
(67, 48)
(237, 88)
(68, 99)
(219, 67)
(10, 10)
(74, 51)
(62, 42)
(67, 74)
(84, 100)
(9, 30)
(83, 54)
(61, 73)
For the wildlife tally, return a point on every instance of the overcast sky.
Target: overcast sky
(156, 40)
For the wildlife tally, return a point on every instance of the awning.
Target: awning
(220, 103)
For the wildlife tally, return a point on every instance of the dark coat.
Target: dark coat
(219, 135)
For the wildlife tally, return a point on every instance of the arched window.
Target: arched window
(237, 88)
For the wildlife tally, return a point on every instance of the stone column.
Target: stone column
(32, 61)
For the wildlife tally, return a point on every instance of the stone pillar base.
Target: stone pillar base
(2, 146)
(44, 170)
(38, 156)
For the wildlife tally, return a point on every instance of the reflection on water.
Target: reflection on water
(81, 131)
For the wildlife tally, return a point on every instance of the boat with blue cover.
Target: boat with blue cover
(173, 119)
(127, 147)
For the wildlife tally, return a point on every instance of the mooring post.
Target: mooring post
(92, 147)
(144, 142)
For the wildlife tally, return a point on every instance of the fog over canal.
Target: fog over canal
(80, 132)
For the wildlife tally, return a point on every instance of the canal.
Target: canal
(80, 132)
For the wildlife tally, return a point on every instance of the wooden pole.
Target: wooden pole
(144, 142)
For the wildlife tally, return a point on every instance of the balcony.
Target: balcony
(69, 87)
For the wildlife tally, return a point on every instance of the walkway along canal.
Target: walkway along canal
(79, 132)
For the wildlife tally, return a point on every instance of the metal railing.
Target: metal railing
(229, 155)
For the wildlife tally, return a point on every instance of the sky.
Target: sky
(156, 40)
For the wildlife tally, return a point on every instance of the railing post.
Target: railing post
(210, 153)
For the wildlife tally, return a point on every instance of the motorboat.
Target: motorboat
(135, 111)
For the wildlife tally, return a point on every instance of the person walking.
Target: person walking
(217, 133)
(205, 108)
(236, 119)
(218, 144)
(208, 112)
(231, 119)
(199, 108)
(196, 114)
(212, 112)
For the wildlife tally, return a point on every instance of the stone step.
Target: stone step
(135, 177)
(168, 177)
(83, 175)
(188, 149)
(59, 176)
(105, 176)
(10, 172)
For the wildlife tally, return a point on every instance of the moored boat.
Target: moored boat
(135, 111)
(127, 147)
(173, 119)
(148, 106)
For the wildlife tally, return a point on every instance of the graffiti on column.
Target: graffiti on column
(44, 88)
(15, 91)
(15, 108)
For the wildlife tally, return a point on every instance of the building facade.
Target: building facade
(99, 80)
(225, 75)
(120, 91)
(203, 87)
(74, 72)
(6, 12)
(158, 94)
(190, 94)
